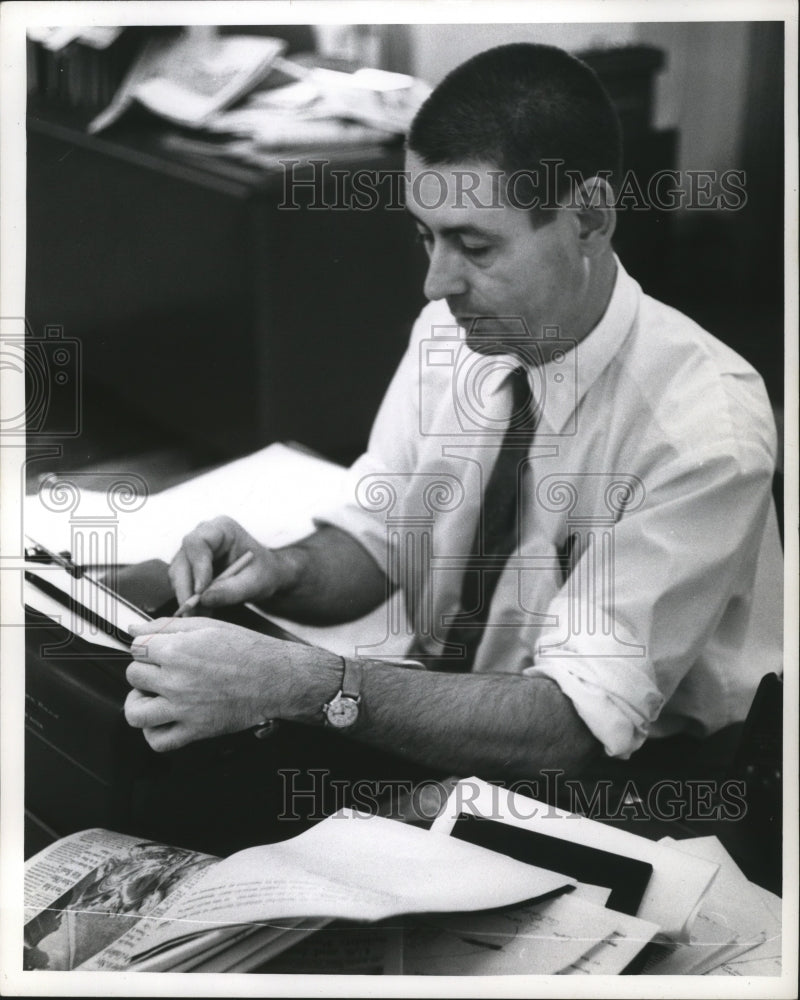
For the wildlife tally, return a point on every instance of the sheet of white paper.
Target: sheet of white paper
(711, 944)
(351, 866)
(739, 907)
(364, 637)
(597, 894)
(617, 949)
(772, 902)
(366, 867)
(273, 493)
(732, 901)
(347, 949)
(678, 883)
(747, 966)
(538, 939)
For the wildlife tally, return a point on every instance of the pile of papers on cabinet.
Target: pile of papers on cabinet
(241, 88)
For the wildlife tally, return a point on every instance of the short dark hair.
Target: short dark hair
(516, 106)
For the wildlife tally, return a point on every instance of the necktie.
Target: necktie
(497, 533)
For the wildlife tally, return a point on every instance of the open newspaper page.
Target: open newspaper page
(336, 869)
(83, 893)
(189, 78)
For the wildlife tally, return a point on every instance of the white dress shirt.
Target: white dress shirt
(654, 453)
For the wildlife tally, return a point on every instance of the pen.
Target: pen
(232, 570)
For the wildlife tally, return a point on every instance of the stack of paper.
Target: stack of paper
(190, 78)
(738, 927)
(698, 910)
(324, 107)
(563, 936)
(678, 884)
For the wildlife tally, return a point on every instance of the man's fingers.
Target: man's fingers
(144, 677)
(155, 716)
(162, 739)
(181, 577)
(144, 648)
(143, 631)
(192, 569)
(235, 590)
(144, 711)
(199, 549)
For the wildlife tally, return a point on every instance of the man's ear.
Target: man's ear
(593, 200)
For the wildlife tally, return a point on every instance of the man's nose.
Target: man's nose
(445, 274)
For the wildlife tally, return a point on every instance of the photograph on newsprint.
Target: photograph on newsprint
(399, 549)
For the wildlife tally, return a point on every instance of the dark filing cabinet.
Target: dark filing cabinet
(203, 302)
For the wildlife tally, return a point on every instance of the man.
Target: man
(641, 482)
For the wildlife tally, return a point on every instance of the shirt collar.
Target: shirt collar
(561, 384)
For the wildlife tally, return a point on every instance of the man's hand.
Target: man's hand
(197, 678)
(208, 550)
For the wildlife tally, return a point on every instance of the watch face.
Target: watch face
(342, 712)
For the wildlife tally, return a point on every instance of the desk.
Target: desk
(155, 531)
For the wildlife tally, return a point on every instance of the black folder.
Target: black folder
(626, 877)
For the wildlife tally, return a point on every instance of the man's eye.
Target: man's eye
(425, 239)
(476, 250)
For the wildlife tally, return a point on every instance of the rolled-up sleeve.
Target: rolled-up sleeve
(677, 563)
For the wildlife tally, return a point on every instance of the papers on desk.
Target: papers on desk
(566, 936)
(190, 78)
(738, 926)
(194, 78)
(185, 911)
(703, 916)
(273, 494)
(323, 107)
(678, 883)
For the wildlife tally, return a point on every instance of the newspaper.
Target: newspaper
(104, 901)
(190, 78)
(86, 891)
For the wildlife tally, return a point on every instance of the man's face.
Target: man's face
(490, 259)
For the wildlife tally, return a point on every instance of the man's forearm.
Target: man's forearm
(500, 726)
(327, 578)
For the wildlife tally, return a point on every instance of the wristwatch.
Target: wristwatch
(342, 711)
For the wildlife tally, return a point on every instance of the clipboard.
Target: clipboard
(61, 590)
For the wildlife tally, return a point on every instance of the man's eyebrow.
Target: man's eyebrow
(468, 229)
